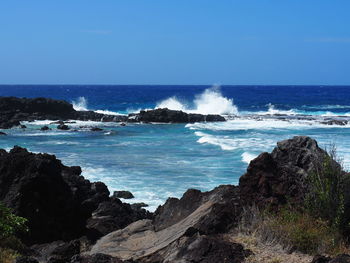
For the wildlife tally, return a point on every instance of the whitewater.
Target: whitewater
(157, 161)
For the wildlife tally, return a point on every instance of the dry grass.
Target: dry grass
(7, 255)
(286, 236)
(268, 253)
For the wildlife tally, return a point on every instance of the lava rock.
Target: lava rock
(96, 129)
(272, 177)
(56, 199)
(45, 128)
(172, 116)
(63, 127)
(112, 215)
(123, 194)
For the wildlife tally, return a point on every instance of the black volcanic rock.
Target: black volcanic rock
(55, 199)
(272, 178)
(14, 110)
(123, 194)
(63, 127)
(112, 215)
(2, 133)
(172, 116)
(44, 128)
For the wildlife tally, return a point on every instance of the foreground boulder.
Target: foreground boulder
(55, 199)
(177, 224)
(272, 178)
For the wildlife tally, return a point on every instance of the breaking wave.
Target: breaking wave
(211, 101)
(81, 104)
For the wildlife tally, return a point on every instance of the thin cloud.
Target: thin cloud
(98, 32)
(330, 40)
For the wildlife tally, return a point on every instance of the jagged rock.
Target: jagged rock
(112, 215)
(224, 209)
(63, 127)
(14, 110)
(274, 178)
(123, 194)
(55, 199)
(138, 205)
(335, 122)
(200, 249)
(205, 213)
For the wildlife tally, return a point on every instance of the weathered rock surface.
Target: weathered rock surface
(272, 178)
(55, 199)
(205, 213)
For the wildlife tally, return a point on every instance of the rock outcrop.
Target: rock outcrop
(14, 110)
(193, 219)
(272, 178)
(56, 200)
(61, 205)
(173, 116)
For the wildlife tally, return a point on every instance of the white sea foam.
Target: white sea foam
(80, 104)
(242, 124)
(229, 143)
(247, 157)
(211, 101)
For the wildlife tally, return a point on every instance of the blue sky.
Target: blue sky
(175, 42)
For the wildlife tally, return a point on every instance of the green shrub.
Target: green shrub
(10, 224)
(326, 191)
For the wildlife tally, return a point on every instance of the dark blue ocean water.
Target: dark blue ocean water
(246, 98)
(156, 161)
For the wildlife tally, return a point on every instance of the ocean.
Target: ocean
(157, 161)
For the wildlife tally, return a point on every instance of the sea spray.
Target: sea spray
(211, 101)
(80, 104)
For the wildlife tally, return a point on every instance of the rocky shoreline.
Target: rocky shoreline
(15, 110)
(73, 220)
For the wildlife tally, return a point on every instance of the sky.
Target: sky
(246, 42)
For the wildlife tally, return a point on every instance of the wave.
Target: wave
(247, 157)
(81, 104)
(211, 101)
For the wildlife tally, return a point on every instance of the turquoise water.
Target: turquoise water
(156, 161)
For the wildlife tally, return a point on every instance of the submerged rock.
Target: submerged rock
(96, 129)
(2, 133)
(63, 127)
(45, 128)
